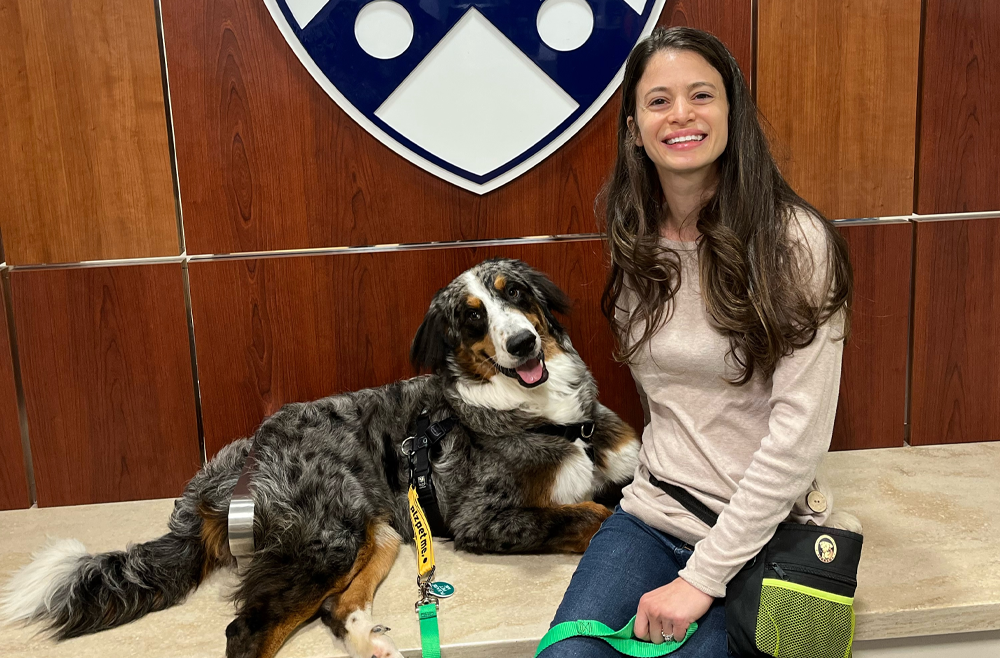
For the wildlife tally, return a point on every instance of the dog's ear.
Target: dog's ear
(430, 346)
(553, 299)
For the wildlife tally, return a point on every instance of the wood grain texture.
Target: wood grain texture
(267, 160)
(838, 83)
(106, 367)
(84, 161)
(270, 331)
(13, 479)
(730, 20)
(871, 409)
(955, 395)
(960, 91)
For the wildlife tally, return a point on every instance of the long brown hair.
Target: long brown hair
(751, 274)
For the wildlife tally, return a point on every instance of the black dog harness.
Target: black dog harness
(419, 452)
(418, 448)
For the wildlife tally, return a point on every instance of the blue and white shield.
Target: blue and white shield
(476, 93)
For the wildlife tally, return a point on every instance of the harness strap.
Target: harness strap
(689, 502)
(623, 641)
(425, 438)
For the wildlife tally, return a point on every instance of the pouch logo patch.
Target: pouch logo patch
(826, 549)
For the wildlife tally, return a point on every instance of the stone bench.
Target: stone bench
(931, 566)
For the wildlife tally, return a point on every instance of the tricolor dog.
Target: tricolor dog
(332, 477)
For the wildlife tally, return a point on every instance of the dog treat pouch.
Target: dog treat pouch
(794, 599)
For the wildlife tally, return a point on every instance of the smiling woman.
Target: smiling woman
(729, 296)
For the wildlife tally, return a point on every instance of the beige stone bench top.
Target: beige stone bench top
(931, 564)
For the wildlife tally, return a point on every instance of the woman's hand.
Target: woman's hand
(669, 610)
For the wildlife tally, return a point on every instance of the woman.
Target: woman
(730, 299)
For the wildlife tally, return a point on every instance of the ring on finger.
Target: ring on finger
(667, 637)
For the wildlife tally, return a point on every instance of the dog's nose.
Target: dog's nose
(521, 344)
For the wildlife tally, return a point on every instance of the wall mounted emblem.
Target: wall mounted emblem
(476, 93)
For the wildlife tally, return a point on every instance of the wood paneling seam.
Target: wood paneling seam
(22, 412)
(171, 146)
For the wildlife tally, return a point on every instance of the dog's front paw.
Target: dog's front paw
(366, 639)
(845, 521)
(382, 645)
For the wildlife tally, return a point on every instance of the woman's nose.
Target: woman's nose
(681, 111)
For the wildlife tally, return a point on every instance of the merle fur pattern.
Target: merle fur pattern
(331, 470)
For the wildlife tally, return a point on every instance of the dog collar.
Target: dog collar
(571, 433)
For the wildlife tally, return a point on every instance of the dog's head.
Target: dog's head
(497, 319)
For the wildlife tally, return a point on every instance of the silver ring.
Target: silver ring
(667, 638)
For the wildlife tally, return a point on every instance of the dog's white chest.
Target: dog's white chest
(575, 478)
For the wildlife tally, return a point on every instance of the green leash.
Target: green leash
(430, 641)
(622, 641)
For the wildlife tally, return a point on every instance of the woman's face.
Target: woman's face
(681, 114)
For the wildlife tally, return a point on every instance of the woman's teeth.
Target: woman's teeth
(686, 138)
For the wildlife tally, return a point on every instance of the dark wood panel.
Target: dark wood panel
(838, 83)
(871, 410)
(278, 330)
(960, 90)
(13, 479)
(84, 161)
(267, 160)
(730, 20)
(106, 367)
(955, 394)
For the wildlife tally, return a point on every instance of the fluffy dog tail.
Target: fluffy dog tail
(74, 593)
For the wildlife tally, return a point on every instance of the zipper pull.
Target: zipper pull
(778, 570)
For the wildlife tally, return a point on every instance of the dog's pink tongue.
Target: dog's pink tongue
(530, 371)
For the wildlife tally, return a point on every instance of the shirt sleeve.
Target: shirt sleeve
(803, 402)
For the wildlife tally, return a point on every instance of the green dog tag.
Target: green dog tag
(441, 589)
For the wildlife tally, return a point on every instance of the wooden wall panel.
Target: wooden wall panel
(267, 160)
(270, 331)
(84, 162)
(730, 20)
(960, 90)
(106, 367)
(13, 479)
(838, 83)
(871, 410)
(955, 394)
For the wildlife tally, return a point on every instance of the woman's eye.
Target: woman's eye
(658, 101)
(703, 97)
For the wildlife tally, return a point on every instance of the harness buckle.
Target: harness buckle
(587, 430)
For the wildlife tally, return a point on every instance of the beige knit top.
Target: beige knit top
(747, 452)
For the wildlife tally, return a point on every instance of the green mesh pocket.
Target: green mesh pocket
(795, 621)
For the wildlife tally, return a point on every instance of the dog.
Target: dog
(331, 481)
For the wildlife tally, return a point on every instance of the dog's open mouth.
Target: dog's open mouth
(529, 374)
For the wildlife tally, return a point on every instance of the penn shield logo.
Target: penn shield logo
(476, 93)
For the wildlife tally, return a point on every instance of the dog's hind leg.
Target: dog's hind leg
(282, 591)
(349, 614)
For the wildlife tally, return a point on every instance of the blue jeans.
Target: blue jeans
(626, 559)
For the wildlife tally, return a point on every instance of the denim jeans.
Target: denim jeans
(626, 559)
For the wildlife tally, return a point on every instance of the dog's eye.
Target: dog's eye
(514, 292)
(472, 315)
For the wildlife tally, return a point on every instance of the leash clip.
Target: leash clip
(424, 587)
